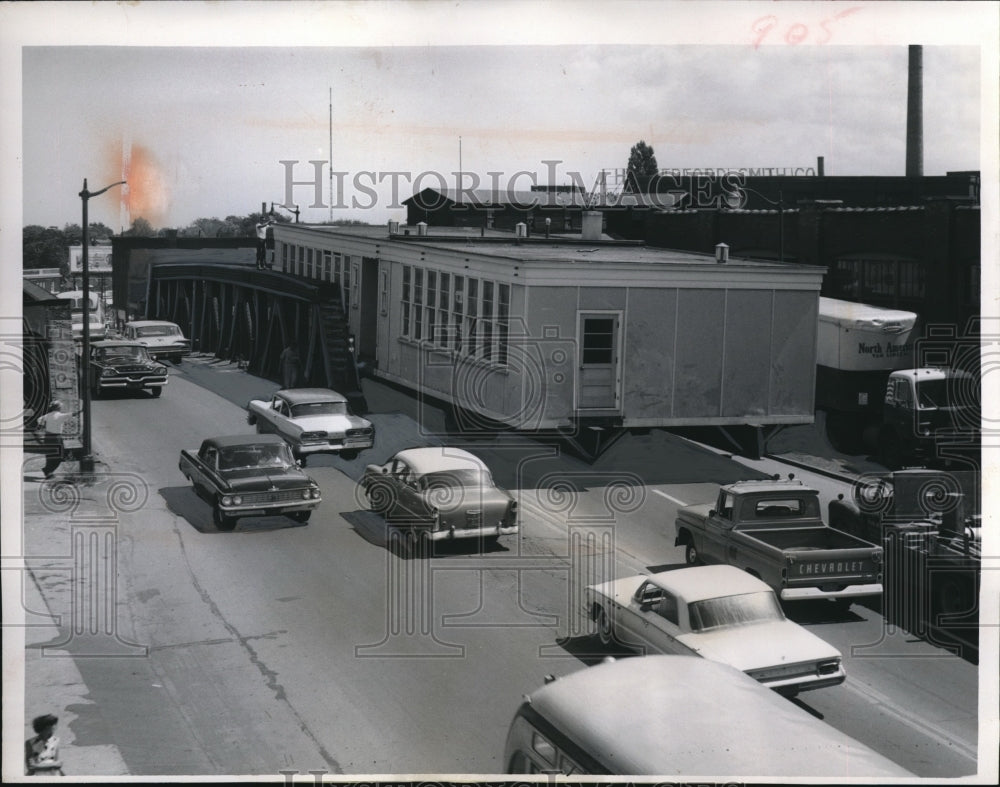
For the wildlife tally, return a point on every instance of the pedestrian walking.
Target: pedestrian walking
(41, 753)
(51, 425)
(289, 361)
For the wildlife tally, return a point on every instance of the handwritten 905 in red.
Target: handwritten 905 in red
(796, 32)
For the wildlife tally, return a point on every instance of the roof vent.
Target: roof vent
(722, 253)
(422, 228)
(521, 229)
(393, 227)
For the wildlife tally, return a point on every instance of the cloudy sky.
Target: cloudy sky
(198, 117)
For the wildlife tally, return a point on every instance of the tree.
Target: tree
(44, 247)
(140, 228)
(641, 167)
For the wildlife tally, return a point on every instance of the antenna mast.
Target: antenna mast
(331, 155)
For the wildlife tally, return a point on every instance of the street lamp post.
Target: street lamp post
(87, 459)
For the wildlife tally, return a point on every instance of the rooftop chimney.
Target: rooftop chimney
(915, 114)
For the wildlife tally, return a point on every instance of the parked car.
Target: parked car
(312, 421)
(720, 613)
(117, 365)
(162, 339)
(440, 493)
(249, 475)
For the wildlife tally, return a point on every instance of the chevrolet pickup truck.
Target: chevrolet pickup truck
(773, 530)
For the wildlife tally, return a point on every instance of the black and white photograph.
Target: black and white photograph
(456, 392)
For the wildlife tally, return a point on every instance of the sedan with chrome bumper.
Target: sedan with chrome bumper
(440, 493)
(720, 613)
(124, 366)
(249, 475)
(312, 421)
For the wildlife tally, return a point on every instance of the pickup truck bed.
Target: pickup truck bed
(773, 530)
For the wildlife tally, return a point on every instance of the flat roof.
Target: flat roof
(504, 245)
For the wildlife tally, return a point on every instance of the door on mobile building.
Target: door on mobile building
(599, 378)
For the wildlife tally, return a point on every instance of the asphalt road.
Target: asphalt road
(285, 647)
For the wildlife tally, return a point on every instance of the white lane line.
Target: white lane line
(929, 728)
(671, 499)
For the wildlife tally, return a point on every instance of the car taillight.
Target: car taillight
(313, 435)
(828, 667)
(361, 432)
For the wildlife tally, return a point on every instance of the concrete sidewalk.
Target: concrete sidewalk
(53, 682)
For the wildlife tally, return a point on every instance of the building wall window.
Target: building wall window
(467, 315)
(418, 303)
(407, 302)
(444, 285)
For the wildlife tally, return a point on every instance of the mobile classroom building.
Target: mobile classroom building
(563, 334)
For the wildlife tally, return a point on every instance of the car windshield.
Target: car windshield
(470, 478)
(244, 456)
(158, 330)
(319, 408)
(123, 351)
(738, 610)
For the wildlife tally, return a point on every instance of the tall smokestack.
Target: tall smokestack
(915, 114)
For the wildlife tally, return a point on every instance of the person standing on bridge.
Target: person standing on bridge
(289, 361)
(262, 228)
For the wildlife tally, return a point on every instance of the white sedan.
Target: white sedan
(720, 613)
(312, 421)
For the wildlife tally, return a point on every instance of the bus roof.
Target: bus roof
(669, 715)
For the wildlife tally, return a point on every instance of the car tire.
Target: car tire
(605, 632)
(300, 516)
(691, 556)
(380, 498)
(156, 390)
(349, 454)
(223, 522)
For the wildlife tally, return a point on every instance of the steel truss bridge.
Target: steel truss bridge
(249, 316)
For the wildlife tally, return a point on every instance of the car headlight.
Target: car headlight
(227, 500)
(315, 492)
(313, 435)
(237, 500)
(107, 372)
(159, 369)
(306, 494)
